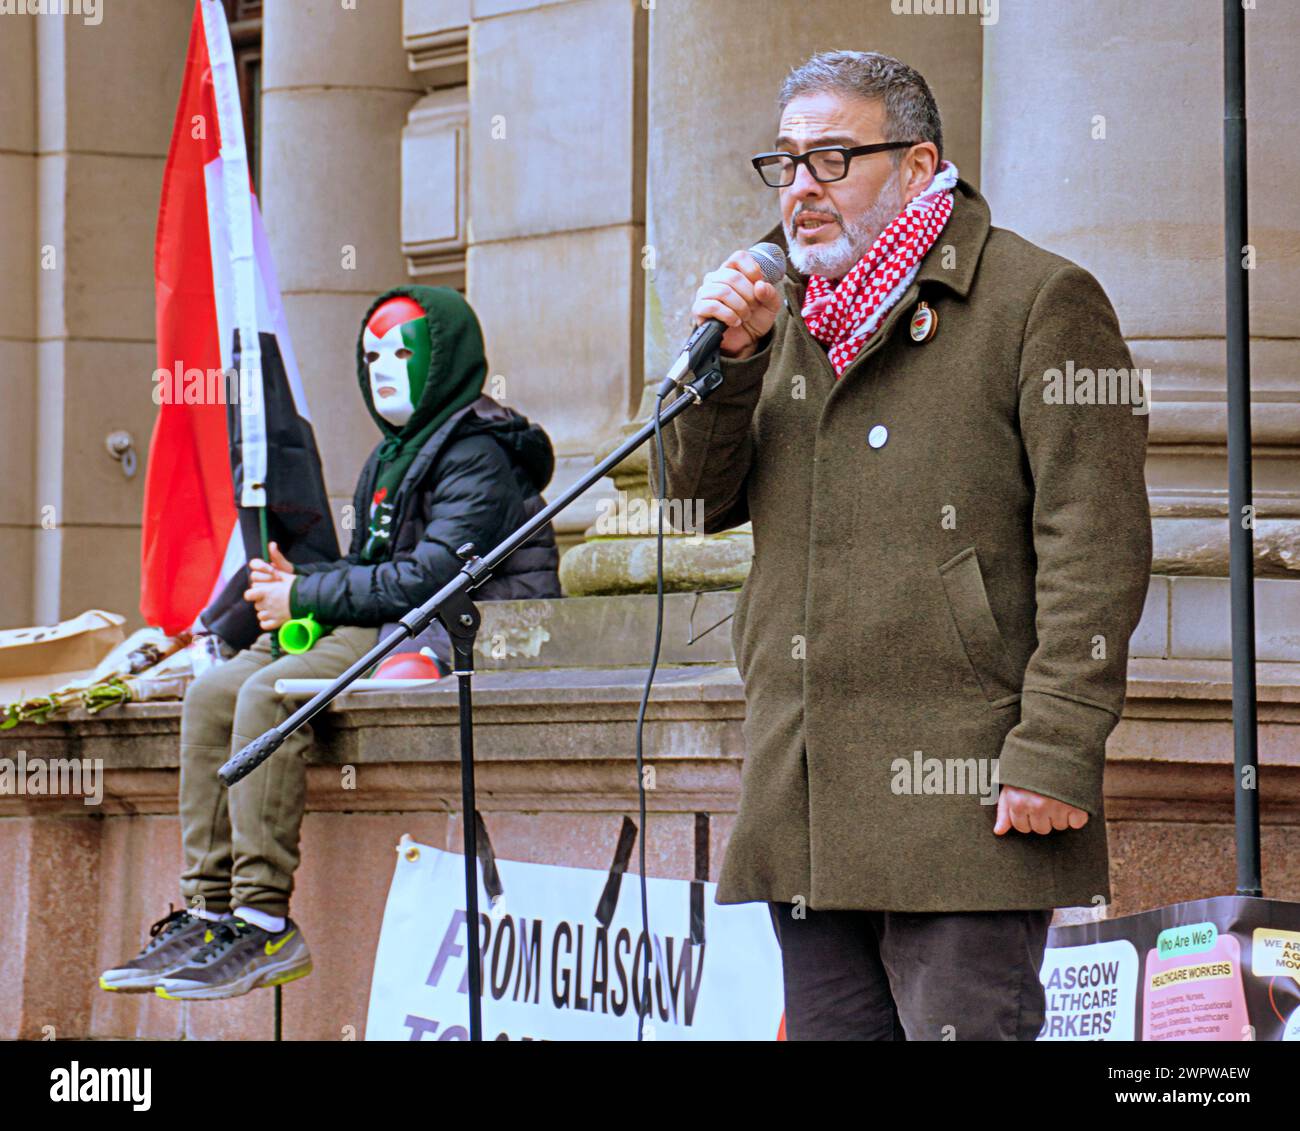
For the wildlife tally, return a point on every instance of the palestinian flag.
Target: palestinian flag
(231, 400)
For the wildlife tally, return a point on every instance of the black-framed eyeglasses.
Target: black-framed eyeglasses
(825, 163)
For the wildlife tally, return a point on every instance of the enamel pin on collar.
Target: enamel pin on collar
(925, 323)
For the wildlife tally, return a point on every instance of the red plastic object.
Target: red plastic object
(407, 665)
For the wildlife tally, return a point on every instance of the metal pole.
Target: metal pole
(464, 656)
(1240, 515)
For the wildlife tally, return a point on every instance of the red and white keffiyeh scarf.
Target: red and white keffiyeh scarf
(844, 317)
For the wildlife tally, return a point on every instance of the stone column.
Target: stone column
(556, 218)
(1103, 141)
(18, 267)
(82, 148)
(713, 74)
(335, 96)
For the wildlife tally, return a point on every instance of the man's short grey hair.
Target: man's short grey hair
(911, 113)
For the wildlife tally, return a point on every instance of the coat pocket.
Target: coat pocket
(986, 651)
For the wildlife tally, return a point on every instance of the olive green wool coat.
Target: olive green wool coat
(966, 590)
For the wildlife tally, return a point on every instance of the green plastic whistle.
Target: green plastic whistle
(300, 634)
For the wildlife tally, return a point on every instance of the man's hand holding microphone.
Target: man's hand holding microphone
(741, 295)
(734, 308)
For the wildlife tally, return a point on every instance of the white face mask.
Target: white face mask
(390, 383)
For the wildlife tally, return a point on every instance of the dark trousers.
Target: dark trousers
(911, 976)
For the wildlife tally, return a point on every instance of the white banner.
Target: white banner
(551, 971)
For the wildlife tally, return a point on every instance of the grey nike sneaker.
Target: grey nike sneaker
(237, 958)
(171, 940)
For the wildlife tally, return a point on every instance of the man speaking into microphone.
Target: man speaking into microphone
(937, 433)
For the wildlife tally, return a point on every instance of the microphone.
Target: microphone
(704, 341)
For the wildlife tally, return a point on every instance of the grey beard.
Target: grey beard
(836, 259)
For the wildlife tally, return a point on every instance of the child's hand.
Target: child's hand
(276, 569)
(271, 599)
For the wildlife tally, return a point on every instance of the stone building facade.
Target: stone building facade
(576, 166)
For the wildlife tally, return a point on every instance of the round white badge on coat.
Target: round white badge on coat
(877, 436)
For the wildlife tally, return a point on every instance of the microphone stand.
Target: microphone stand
(461, 619)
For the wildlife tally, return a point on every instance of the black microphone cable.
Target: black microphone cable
(661, 488)
(772, 261)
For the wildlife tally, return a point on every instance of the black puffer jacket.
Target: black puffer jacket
(477, 479)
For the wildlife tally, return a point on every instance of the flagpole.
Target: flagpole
(235, 182)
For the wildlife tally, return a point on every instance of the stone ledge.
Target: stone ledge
(1184, 679)
(144, 735)
(128, 737)
(562, 632)
(563, 739)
